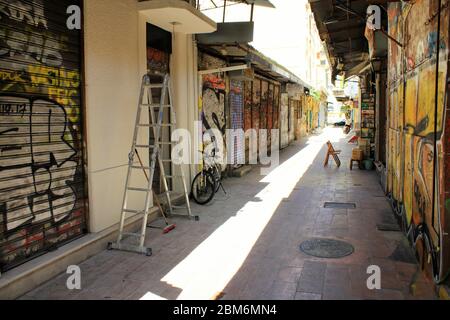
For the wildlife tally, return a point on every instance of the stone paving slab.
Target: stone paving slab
(246, 244)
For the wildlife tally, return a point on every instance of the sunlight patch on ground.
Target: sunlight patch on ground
(211, 265)
(151, 296)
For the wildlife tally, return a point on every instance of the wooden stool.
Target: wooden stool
(355, 160)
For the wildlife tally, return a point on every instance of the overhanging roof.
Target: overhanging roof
(245, 53)
(261, 3)
(341, 25)
(176, 15)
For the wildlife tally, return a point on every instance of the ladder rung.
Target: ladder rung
(157, 85)
(173, 176)
(166, 160)
(133, 211)
(179, 207)
(137, 235)
(155, 125)
(140, 167)
(137, 189)
(167, 143)
(144, 146)
(155, 105)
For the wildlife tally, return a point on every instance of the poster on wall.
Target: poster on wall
(42, 194)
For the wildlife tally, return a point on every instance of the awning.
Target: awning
(261, 3)
(175, 15)
(358, 68)
(341, 26)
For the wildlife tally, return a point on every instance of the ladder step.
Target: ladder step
(137, 235)
(179, 207)
(155, 125)
(138, 189)
(133, 211)
(157, 85)
(155, 105)
(140, 167)
(144, 146)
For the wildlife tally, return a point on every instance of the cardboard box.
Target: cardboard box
(357, 154)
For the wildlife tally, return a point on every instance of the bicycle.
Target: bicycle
(208, 181)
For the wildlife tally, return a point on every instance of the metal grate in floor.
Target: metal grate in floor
(339, 205)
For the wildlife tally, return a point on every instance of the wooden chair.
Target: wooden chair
(333, 153)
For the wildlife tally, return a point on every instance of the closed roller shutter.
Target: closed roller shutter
(42, 193)
(237, 121)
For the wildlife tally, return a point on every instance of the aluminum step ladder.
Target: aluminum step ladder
(158, 113)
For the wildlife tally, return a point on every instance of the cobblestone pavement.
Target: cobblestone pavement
(246, 244)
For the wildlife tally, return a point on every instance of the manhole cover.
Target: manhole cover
(340, 205)
(326, 248)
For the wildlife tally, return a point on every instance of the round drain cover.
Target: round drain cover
(326, 248)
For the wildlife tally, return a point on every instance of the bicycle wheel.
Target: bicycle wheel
(203, 187)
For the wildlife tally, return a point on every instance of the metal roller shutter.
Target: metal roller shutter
(42, 190)
(237, 120)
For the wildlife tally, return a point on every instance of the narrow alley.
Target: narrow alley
(220, 152)
(246, 244)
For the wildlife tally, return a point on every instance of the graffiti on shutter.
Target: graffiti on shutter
(42, 192)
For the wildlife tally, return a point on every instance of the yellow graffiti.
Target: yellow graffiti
(53, 76)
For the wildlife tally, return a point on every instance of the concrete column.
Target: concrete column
(183, 72)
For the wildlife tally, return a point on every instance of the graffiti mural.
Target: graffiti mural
(248, 105)
(213, 107)
(417, 164)
(276, 107)
(42, 192)
(284, 120)
(157, 60)
(256, 106)
(213, 98)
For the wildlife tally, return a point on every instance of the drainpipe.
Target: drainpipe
(436, 107)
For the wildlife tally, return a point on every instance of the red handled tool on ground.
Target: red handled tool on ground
(169, 226)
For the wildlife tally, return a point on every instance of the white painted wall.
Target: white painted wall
(113, 70)
(115, 60)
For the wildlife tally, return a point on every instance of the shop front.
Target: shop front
(43, 189)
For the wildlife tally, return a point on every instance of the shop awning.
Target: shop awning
(358, 68)
(176, 15)
(261, 3)
(245, 53)
(341, 26)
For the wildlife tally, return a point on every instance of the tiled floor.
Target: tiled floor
(246, 244)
